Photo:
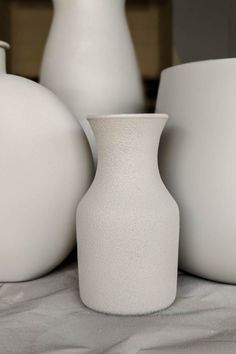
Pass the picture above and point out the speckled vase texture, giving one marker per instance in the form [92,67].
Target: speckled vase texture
[128,223]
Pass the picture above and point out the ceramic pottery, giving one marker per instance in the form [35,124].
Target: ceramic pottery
[89,60]
[45,168]
[198,163]
[127,223]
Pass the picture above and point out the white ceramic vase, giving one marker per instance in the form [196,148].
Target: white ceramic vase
[45,168]
[127,223]
[198,163]
[89,60]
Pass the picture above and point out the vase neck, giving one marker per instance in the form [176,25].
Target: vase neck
[3,47]
[127,146]
[88,5]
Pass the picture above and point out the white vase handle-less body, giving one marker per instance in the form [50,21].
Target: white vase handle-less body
[128,223]
[89,60]
[198,163]
[45,169]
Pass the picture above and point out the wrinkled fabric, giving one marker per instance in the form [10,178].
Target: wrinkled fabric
[46,316]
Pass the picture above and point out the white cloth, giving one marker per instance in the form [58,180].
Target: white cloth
[46,316]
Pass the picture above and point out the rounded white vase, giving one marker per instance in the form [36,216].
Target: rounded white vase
[45,168]
[198,163]
[127,223]
[89,60]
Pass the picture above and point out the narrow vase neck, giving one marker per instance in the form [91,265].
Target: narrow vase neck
[127,146]
[2,59]
[96,6]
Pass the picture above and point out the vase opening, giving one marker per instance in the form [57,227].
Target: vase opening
[4,45]
[129,116]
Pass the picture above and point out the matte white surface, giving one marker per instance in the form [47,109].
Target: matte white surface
[3,47]
[89,60]
[198,163]
[47,316]
[45,168]
[127,223]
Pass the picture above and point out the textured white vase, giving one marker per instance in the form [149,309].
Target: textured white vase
[127,223]
[198,163]
[45,168]
[89,60]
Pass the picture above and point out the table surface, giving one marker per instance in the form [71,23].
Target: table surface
[46,316]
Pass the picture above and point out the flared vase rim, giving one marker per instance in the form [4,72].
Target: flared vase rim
[137,116]
[4,45]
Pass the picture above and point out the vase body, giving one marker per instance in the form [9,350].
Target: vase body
[46,167]
[197,161]
[89,60]
[127,223]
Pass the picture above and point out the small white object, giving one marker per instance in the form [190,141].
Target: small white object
[3,47]
[127,223]
[45,168]
[89,60]
[198,163]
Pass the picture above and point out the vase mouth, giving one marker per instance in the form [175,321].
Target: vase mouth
[161,116]
[4,45]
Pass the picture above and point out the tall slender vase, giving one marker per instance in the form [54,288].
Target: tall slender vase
[128,223]
[89,60]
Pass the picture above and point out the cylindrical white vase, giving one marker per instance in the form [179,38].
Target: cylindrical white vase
[198,162]
[127,223]
[89,60]
[45,169]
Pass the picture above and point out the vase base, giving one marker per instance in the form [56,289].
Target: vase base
[128,312]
